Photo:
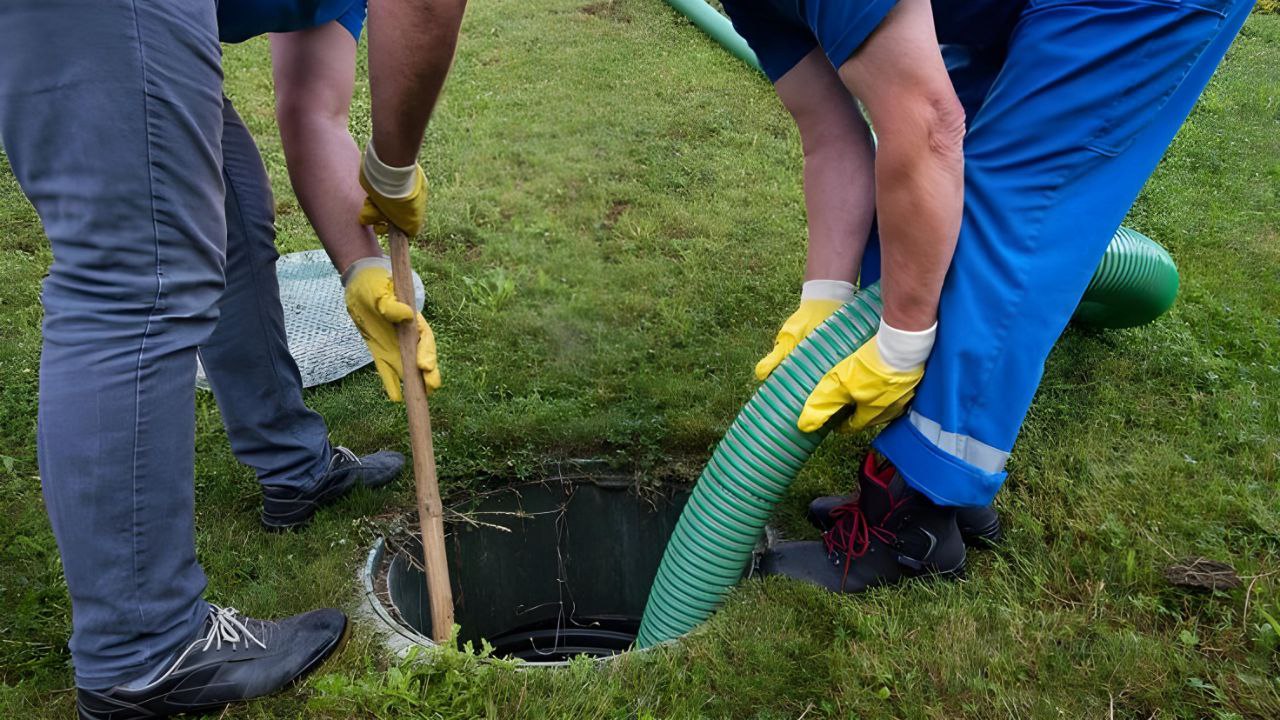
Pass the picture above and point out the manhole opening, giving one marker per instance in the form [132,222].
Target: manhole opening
[546,572]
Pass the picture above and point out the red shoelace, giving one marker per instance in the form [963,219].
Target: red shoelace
[852,533]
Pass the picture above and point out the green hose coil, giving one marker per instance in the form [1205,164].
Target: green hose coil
[763,451]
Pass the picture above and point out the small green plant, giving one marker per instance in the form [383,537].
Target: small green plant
[438,683]
[493,290]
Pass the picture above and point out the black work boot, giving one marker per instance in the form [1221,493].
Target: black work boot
[284,508]
[979,526]
[890,534]
[233,658]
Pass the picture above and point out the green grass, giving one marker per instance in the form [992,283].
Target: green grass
[616,228]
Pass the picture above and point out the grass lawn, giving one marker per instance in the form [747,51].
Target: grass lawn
[616,229]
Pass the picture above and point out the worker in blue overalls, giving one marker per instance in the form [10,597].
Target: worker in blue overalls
[1068,106]
[160,216]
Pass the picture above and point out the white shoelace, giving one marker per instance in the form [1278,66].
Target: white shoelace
[344,453]
[225,626]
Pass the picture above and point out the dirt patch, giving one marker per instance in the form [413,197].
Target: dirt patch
[606,10]
[615,211]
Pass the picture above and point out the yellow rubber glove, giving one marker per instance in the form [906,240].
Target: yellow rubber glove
[803,321]
[371,301]
[407,213]
[878,392]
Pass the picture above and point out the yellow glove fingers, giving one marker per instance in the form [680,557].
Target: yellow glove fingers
[782,347]
[390,376]
[867,415]
[391,309]
[370,215]
[427,361]
[803,321]
[826,400]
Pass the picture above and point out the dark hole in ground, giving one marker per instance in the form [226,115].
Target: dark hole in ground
[570,578]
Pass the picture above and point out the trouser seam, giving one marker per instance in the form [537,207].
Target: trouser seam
[146,333]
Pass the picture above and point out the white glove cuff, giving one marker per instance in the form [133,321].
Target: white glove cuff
[362,263]
[905,349]
[390,182]
[827,290]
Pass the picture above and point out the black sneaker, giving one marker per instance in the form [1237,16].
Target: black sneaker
[284,508]
[234,658]
[890,534]
[979,526]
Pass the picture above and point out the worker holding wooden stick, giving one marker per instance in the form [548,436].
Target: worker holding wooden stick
[150,191]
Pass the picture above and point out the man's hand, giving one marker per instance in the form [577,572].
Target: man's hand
[818,300]
[397,196]
[371,301]
[878,379]
[803,321]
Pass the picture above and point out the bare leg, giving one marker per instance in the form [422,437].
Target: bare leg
[839,179]
[900,77]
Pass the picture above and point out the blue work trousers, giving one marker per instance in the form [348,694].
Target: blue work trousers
[1071,104]
[114,122]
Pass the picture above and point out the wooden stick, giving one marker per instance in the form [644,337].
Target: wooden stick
[430,510]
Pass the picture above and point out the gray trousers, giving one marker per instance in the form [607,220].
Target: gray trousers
[160,217]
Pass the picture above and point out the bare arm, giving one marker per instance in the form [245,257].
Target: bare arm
[411,46]
[900,77]
[314,73]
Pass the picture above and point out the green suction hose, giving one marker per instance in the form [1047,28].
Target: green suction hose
[718,27]
[1134,284]
[763,451]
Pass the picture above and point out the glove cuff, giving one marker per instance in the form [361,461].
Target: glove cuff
[827,290]
[390,182]
[362,264]
[905,350]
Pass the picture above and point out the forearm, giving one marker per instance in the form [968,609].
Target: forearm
[411,46]
[314,73]
[323,162]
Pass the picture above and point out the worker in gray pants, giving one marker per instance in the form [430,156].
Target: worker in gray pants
[159,214]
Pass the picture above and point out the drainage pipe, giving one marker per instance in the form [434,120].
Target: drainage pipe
[763,451]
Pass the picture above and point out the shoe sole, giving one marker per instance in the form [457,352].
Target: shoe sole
[983,538]
[334,495]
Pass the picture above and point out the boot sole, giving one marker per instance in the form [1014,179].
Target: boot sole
[983,538]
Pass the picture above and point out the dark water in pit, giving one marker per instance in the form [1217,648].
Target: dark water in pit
[570,578]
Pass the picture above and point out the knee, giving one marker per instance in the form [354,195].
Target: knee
[926,124]
[945,121]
